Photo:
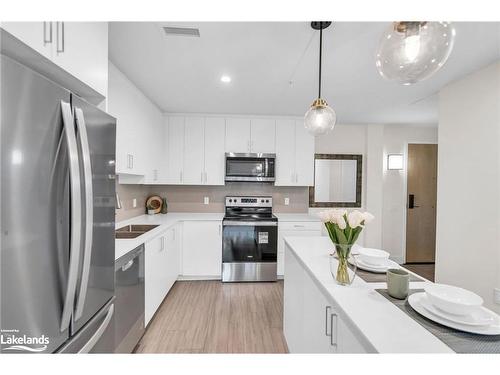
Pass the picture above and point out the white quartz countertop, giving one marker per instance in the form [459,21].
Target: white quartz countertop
[382,324]
[295,217]
[165,221]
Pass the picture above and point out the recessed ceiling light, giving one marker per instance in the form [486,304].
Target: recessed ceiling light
[225,79]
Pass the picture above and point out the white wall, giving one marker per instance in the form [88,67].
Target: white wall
[468,242]
[384,192]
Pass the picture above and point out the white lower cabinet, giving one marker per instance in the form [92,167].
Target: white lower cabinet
[311,322]
[291,229]
[162,260]
[202,249]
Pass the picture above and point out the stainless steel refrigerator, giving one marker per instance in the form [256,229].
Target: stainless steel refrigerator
[57,217]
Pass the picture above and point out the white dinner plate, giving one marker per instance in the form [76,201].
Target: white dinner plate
[493,329]
[375,269]
[480,317]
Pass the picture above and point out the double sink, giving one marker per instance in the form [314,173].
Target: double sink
[133,231]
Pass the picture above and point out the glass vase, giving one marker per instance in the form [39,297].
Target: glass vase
[343,264]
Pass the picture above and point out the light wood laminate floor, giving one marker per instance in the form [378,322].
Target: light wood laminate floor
[215,317]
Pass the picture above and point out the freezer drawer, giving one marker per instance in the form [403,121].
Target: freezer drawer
[97,336]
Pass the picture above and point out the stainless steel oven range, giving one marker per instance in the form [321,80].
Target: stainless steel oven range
[249,239]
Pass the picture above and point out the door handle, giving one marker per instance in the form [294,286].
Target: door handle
[76,214]
[45,40]
[127,265]
[411,201]
[60,36]
[89,210]
[99,332]
[333,343]
[327,309]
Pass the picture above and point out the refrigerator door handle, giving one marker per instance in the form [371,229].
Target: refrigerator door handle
[89,210]
[98,334]
[76,214]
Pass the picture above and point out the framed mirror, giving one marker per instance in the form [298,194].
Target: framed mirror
[337,181]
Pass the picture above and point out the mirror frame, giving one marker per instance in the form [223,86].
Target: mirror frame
[359,180]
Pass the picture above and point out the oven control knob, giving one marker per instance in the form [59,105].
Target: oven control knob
[230,200]
[267,200]
[262,201]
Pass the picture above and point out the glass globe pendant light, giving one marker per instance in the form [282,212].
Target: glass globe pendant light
[320,118]
[411,51]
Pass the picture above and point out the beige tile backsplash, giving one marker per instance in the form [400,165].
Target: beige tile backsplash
[190,198]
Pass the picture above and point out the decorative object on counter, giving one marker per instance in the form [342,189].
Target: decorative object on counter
[164,206]
[398,283]
[154,203]
[320,118]
[344,229]
[150,209]
[412,51]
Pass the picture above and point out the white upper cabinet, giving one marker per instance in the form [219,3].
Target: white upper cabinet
[139,129]
[245,136]
[304,156]
[215,129]
[194,151]
[294,154]
[238,135]
[38,35]
[80,48]
[262,136]
[175,147]
[285,152]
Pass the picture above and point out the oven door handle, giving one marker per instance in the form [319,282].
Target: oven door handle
[250,223]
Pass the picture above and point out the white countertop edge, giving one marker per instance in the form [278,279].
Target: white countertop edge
[164,222]
[360,302]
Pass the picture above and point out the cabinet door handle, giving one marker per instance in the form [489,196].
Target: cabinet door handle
[180,176]
[162,243]
[206,176]
[220,229]
[296,177]
[201,177]
[132,161]
[332,343]
[327,309]
[45,40]
[60,49]
[292,177]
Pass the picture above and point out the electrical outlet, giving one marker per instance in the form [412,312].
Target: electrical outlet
[287,201]
[496,295]
[206,200]
[134,203]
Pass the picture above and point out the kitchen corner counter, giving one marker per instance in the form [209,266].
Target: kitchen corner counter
[376,321]
[285,217]
[165,221]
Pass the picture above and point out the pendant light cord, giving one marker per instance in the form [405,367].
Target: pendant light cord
[320,52]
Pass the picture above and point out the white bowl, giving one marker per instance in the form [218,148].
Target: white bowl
[452,299]
[374,257]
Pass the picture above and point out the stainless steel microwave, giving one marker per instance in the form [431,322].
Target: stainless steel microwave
[250,167]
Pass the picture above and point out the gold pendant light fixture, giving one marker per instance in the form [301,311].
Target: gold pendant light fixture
[320,118]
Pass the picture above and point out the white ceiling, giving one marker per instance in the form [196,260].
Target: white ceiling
[274,68]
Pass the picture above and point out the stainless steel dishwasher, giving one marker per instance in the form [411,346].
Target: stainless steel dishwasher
[129,303]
